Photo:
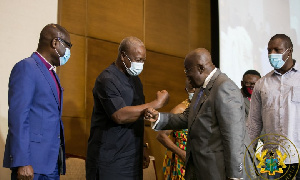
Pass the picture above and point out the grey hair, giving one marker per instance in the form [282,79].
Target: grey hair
[128,42]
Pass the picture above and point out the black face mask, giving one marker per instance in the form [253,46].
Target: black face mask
[244,89]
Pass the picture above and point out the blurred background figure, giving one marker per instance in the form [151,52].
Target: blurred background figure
[250,77]
[175,142]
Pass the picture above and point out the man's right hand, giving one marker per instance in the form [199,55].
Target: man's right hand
[25,173]
[162,97]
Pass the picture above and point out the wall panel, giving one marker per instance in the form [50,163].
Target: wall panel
[200,25]
[164,72]
[73,15]
[75,135]
[113,20]
[73,82]
[167,26]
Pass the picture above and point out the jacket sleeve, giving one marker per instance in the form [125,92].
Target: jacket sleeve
[169,121]
[20,94]
[230,112]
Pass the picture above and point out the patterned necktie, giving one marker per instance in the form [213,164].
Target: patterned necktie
[198,97]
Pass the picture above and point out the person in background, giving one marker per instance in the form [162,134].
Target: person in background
[116,147]
[173,164]
[250,77]
[275,104]
[35,146]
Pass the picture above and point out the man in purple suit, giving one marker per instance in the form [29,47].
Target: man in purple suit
[35,141]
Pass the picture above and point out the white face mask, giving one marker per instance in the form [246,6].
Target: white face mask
[191,96]
[135,68]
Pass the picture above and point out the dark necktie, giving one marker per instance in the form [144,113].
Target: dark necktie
[198,97]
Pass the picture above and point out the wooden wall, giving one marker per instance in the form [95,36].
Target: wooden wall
[169,29]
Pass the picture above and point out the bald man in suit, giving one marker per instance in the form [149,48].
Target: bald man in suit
[215,120]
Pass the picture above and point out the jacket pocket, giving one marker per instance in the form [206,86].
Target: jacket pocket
[36,137]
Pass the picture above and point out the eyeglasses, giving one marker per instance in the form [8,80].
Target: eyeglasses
[67,43]
[187,70]
[137,60]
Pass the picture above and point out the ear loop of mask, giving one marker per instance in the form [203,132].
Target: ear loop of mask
[288,55]
[57,51]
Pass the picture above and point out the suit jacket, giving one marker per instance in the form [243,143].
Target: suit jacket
[216,139]
[34,118]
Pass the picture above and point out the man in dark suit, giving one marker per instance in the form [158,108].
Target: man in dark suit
[35,141]
[215,120]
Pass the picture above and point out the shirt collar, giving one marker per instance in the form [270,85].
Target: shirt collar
[294,68]
[208,78]
[47,64]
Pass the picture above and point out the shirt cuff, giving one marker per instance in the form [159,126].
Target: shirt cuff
[153,124]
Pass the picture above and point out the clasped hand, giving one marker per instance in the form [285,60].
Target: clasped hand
[25,173]
[151,114]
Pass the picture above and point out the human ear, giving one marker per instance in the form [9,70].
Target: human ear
[54,43]
[201,68]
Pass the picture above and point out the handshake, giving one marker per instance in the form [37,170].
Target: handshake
[162,98]
[151,115]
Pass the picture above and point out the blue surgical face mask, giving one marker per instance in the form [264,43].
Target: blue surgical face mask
[64,59]
[276,60]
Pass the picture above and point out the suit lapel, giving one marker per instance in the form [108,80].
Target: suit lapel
[203,98]
[61,89]
[47,76]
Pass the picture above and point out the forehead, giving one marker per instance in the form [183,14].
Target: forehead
[137,49]
[276,43]
[192,61]
[251,77]
[64,36]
